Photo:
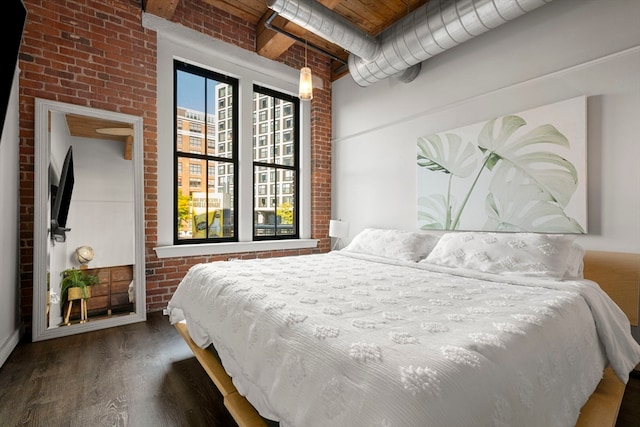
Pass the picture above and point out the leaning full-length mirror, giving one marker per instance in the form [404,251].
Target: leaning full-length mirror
[88,268]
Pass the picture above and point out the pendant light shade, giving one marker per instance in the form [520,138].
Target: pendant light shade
[306,86]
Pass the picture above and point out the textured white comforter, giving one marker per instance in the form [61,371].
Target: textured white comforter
[344,340]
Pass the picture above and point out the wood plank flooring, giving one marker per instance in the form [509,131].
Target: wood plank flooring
[140,375]
[136,375]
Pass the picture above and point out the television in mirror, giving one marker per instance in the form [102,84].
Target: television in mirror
[61,199]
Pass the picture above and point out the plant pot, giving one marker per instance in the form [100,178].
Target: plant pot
[79,293]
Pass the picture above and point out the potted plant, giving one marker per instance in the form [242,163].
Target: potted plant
[76,284]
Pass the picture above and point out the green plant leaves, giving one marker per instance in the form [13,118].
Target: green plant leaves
[552,173]
[435,211]
[72,278]
[530,185]
[453,157]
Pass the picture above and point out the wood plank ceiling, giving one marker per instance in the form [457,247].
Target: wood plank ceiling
[371,16]
[92,127]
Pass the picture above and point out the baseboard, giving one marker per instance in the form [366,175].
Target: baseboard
[7,347]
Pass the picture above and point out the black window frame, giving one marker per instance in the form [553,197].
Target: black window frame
[233,159]
[295,101]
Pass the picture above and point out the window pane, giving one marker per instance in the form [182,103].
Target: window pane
[274,213]
[207,212]
[205,200]
[221,118]
[275,154]
[262,136]
[286,200]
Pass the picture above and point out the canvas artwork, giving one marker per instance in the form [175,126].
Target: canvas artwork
[520,172]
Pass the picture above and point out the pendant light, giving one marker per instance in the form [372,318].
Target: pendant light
[306,86]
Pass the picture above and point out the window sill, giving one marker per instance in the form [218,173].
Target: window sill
[235,247]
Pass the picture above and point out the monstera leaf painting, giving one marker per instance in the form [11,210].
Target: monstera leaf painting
[512,173]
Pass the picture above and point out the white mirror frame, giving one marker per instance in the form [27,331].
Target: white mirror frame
[40,331]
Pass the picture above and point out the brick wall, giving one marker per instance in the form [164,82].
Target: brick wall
[96,53]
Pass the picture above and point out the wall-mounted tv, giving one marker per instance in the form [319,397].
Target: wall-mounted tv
[61,199]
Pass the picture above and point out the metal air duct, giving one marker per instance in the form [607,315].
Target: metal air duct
[327,24]
[398,51]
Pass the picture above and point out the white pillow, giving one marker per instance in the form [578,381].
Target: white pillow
[395,244]
[525,254]
[575,262]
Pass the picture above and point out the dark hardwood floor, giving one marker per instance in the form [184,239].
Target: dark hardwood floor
[629,415]
[136,375]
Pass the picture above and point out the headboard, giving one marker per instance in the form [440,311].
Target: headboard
[618,274]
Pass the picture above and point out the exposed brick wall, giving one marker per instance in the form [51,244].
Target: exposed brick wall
[96,53]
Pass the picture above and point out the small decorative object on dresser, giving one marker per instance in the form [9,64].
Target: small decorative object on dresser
[84,255]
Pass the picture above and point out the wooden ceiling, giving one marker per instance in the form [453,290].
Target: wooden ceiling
[371,16]
[92,127]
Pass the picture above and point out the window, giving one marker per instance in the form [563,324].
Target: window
[227,60]
[275,205]
[205,213]
[207,193]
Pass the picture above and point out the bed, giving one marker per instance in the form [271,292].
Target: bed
[413,329]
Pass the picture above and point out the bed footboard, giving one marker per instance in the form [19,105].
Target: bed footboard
[240,409]
[601,410]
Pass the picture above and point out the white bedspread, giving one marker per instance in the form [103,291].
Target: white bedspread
[337,340]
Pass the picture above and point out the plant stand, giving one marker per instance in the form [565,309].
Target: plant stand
[78,294]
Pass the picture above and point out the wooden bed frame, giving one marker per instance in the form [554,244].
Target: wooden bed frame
[618,273]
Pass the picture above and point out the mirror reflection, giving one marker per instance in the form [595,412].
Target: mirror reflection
[91,227]
[91,185]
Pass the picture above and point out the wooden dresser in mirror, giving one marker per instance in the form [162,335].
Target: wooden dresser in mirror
[113,294]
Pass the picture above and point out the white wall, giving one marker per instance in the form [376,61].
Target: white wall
[565,49]
[10,326]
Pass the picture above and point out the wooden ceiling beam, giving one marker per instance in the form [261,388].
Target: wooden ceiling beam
[270,43]
[244,10]
[162,8]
